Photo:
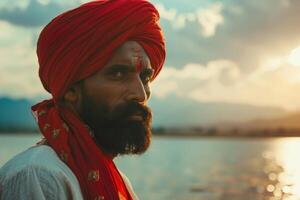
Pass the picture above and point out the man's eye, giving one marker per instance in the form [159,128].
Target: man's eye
[118,75]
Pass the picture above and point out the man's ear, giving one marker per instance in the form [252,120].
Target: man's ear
[73,96]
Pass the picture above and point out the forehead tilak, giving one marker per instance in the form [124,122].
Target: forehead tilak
[138,59]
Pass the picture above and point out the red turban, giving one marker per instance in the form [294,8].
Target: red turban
[79,42]
[73,46]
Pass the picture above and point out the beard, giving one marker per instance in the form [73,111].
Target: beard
[114,132]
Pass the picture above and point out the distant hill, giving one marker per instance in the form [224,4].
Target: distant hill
[15,114]
[184,112]
[289,121]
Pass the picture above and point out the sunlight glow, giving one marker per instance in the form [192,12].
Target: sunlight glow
[294,57]
[288,157]
[273,64]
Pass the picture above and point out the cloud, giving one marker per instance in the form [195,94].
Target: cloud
[10,5]
[33,13]
[183,81]
[19,76]
[208,18]
[222,81]
[44,2]
[285,3]
[243,36]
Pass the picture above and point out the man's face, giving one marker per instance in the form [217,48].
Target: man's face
[114,101]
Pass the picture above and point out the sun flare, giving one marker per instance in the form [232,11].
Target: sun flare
[294,57]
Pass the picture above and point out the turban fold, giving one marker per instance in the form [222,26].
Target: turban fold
[73,46]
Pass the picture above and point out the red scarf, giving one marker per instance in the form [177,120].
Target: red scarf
[73,46]
[70,138]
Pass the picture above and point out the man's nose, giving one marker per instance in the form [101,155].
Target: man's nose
[137,91]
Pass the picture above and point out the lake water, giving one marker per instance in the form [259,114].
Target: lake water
[203,168]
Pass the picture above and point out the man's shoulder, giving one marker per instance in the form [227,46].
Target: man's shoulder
[37,156]
[39,173]
[42,159]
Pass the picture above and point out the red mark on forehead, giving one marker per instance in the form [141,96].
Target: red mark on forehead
[137,58]
[137,49]
[137,62]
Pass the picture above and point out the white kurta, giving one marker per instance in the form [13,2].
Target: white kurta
[38,174]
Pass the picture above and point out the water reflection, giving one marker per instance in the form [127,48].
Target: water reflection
[287,156]
[205,168]
[271,174]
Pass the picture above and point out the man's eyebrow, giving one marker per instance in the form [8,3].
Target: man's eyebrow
[123,67]
[130,68]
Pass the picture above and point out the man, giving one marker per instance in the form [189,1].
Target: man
[97,61]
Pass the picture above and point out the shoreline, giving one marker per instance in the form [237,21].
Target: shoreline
[183,136]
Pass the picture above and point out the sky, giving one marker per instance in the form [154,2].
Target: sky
[232,51]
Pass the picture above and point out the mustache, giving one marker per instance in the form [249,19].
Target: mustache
[131,108]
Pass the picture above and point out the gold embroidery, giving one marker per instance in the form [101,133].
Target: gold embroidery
[46,126]
[66,127]
[42,112]
[94,175]
[55,133]
[63,156]
[99,198]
